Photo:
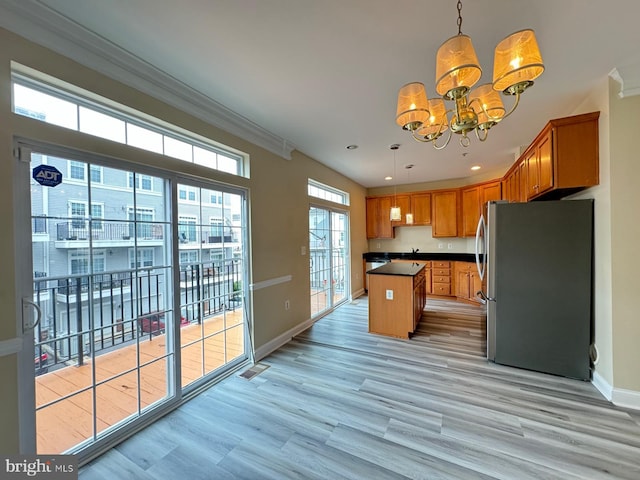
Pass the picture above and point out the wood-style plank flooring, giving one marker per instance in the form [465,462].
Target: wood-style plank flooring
[62,425]
[337,402]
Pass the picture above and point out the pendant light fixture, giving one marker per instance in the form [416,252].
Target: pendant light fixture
[395,214]
[517,62]
[408,216]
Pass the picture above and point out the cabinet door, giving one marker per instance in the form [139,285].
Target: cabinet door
[545,163]
[475,285]
[488,193]
[384,228]
[404,202]
[522,183]
[372,217]
[445,213]
[491,191]
[378,217]
[421,208]
[427,280]
[470,211]
[531,163]
[462,284]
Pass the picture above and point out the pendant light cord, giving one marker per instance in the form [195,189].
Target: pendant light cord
[459,17]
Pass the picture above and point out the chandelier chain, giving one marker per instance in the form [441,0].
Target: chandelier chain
[459,17]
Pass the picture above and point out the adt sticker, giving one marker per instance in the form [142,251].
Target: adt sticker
[47,176]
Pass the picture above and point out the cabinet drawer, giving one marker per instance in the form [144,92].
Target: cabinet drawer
[441,271]
[442,289]
[441,279]
[441,264]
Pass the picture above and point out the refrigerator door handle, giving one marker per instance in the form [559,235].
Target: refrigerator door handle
[484,298]
[480,239]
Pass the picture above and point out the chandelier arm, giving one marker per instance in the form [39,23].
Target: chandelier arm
[489,116]
[513,108]
[418,138]
[482,138]
[435,145]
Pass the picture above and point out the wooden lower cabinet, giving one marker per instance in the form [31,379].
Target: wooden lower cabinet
[397,316]
[441,278]
[427,271]
[467,281]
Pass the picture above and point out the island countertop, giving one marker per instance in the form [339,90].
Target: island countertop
[398,268]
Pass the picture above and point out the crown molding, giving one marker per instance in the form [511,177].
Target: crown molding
[629,79]
[40,24]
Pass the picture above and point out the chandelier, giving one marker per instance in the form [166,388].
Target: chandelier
[517,62]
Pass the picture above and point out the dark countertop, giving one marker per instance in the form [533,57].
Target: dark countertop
[398,268]
[387,256]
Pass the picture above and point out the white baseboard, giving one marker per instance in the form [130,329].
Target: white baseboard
[602,385]
[626,398]
[357,293]
[281,340]
[618,396]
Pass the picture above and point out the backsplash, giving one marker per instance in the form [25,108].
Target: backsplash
[409,238]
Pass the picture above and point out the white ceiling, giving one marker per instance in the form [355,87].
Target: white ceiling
[323,74]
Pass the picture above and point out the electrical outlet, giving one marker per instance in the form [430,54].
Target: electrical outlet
[303,250]
[389,295]
[440,246]
[450,246]
[286,304]
[378,245]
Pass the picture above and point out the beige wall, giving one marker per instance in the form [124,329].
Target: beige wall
[625,235]
[278,204]
[598,100]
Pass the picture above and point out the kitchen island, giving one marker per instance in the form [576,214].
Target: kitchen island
[397,298]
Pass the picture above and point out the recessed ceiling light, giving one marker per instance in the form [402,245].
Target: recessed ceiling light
[388,178]
[351,147]
[476,167]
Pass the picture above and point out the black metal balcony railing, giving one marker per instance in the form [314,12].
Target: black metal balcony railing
[99,230]
[106,311]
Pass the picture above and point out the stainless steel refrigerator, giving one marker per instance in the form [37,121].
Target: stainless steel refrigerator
[538,258]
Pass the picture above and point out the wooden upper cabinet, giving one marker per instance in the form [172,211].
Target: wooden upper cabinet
[489,192]
[521,187]
[404,202]
[378,217]
[444,219]
[474,201]
[564,157]
[470,211]
[539,164]
[421,208]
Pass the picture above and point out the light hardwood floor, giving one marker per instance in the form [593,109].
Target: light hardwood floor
[338,402]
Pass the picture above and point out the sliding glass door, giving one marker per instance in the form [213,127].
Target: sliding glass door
[139,279]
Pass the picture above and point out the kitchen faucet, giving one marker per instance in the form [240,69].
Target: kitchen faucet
[415,250]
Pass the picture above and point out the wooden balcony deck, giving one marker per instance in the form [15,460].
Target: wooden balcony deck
[69,422]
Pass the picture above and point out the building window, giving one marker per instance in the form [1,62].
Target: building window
[79,262]
[325,192]
[187,193]
[71,107]
[95,172]
[78,213]
[189,256]
[142,182]
[77,170]
[187,228]
[138,225]
[97,214]
[144,258]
